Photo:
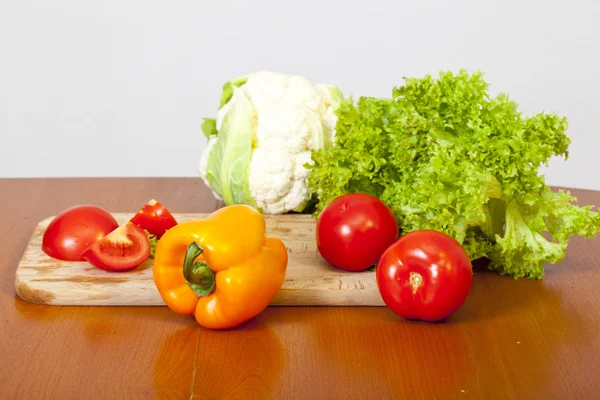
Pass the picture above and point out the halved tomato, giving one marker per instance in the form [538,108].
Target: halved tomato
[75,229]
[121,250]
[154,218]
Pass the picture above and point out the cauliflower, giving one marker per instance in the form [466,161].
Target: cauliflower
[267,126]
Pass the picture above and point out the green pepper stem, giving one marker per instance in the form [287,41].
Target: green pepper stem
[198,275]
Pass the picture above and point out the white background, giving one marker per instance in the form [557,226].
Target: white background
[119,88]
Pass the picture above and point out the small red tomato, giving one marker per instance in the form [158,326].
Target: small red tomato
[154,218]
[75,229]
[424,275]
[354,230]
[121,250]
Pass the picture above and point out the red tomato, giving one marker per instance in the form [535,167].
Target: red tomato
[75,229]
[154,218]
[123,249]
[424,275]
[354,230]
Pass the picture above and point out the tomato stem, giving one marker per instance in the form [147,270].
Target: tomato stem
[198,275]
[416,280]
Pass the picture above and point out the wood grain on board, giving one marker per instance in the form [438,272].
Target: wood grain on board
[309,280]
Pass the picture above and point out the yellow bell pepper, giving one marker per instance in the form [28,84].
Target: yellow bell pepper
[221,269]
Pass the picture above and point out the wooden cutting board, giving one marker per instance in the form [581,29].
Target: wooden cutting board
[310,280]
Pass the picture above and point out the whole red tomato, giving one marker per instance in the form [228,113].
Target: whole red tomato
[424,275]
[75,229]
[354,230]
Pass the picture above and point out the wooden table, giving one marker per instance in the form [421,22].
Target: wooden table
[511,340]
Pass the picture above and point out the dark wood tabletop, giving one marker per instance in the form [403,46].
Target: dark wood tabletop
[513,339]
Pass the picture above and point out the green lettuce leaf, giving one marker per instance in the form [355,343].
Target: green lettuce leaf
[153,243]
[443,154]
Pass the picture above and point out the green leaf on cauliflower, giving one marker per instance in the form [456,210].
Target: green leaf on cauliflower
[228,162]
[228,88]
[209,127]
[443,154]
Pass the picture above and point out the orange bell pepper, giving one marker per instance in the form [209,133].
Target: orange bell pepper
[221,269]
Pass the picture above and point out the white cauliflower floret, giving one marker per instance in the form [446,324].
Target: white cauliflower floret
[288,118]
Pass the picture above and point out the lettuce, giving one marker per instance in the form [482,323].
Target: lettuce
[443,154]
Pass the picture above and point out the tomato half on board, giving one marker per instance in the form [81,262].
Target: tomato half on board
[425,275]
[154,218]
[123,249]
[75,229]
[354,230]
